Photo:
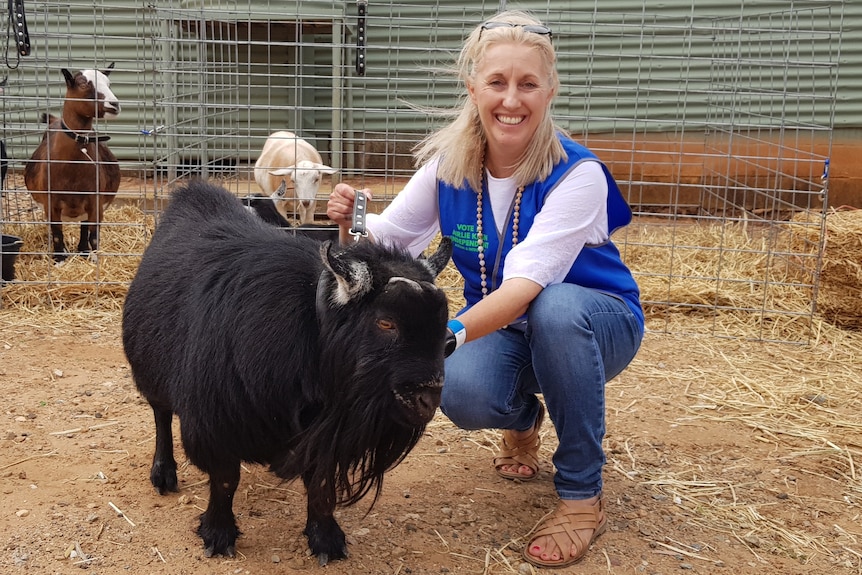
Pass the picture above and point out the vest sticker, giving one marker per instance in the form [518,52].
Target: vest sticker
[464,236]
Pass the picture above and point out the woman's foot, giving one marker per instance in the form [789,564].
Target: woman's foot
[516,470]
[566,535]
[518,457]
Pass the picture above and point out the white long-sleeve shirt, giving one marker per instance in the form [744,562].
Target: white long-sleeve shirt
[574,215]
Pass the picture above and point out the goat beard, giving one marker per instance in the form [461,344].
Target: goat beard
[347,451]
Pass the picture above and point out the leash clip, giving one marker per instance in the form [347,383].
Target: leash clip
[357,226]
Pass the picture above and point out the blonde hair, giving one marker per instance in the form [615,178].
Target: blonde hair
[460,145]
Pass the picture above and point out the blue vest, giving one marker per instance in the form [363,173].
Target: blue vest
[597,266]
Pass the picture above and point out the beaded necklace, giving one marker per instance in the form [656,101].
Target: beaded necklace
[480,243]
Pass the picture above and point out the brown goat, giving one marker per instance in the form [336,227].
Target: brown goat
[72,173]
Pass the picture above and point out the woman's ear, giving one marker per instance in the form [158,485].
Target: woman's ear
[552,93]
[471,89]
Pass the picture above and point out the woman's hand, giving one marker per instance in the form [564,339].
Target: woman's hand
[339,208]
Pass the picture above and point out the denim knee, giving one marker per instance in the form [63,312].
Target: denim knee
[555,309]
[483,383]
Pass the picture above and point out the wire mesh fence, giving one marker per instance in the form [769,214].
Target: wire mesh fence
[715,118]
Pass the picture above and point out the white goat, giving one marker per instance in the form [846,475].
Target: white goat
[286,154]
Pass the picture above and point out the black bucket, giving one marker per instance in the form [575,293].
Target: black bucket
[8,253]
[319,232]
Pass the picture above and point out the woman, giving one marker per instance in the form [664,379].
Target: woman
[551,309]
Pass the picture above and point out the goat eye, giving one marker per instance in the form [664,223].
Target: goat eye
[385,324]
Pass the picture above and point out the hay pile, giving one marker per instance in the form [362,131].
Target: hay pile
[839,297]
[740,277]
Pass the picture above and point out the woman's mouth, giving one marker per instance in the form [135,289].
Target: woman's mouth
[510,120]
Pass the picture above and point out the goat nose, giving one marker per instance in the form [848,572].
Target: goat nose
[428,400]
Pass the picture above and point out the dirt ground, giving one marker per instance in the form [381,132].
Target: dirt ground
[723,457]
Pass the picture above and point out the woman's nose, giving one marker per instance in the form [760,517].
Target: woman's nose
[511,99]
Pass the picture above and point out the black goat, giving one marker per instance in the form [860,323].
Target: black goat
[265,208]
[324,363]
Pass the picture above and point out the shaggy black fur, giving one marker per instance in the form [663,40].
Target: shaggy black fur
[282,350]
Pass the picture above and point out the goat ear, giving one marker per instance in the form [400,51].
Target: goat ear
[107,71]
[325,169]
[352,277]
[70,79]
[282,171]
[440,258]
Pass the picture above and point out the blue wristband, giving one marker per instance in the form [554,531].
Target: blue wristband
[459,330]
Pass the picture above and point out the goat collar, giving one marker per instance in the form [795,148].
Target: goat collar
[80,138]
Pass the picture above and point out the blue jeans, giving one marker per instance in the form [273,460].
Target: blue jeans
[575,340]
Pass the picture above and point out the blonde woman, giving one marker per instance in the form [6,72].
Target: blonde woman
[551,308]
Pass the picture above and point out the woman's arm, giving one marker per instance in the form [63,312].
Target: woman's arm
[410,221]
[500,308]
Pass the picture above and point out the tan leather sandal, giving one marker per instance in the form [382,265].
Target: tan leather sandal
[564,525]
[520,452]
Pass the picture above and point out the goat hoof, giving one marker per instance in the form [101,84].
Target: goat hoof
[219,540]
[210,552]
[163,476]
[326,540]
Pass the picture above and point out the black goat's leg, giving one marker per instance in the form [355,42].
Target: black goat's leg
[218,527]
[325,537]
[163,474]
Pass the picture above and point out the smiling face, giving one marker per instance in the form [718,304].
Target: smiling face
[512,90]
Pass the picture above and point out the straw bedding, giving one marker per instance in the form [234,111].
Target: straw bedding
[742,279]
[79,284]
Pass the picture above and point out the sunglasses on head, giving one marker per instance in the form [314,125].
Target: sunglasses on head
[534,28]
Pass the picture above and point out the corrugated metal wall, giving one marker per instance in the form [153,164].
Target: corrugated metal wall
[848,111]
[203,82]
[625,65]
